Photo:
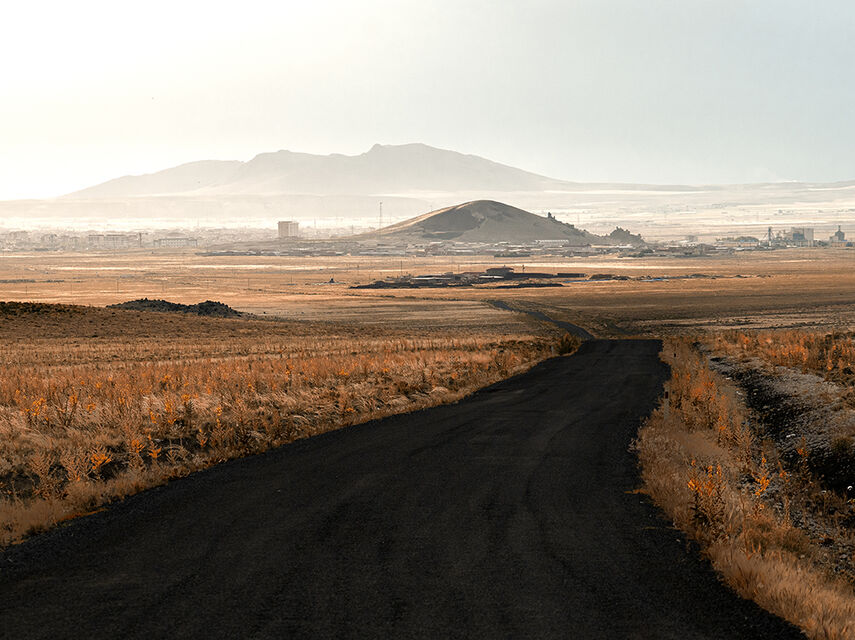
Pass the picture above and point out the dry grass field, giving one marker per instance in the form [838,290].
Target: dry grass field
[98,403]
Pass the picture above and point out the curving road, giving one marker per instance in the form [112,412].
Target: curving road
[509,514]
[572,329]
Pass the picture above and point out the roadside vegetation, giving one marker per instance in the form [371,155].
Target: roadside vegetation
[97,405]
[830,354]
[810,377]
[756,512]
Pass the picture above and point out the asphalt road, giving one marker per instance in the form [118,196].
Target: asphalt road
[509,514]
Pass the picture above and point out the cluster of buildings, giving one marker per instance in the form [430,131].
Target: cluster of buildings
[92,241]
[492,275]
[691,246]
[794,237]
[497,249]
[291,240]
[507,278]
[346,246]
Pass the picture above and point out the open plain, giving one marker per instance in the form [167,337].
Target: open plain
[101,403]
[782,288]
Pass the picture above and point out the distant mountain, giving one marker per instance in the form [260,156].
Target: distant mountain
[491,221]
[384,169]
[185,178]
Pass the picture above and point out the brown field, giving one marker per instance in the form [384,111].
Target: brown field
[788,288]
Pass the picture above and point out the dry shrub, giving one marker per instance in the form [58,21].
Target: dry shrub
[47,482]
[94,422]
[568,343]
[701,464]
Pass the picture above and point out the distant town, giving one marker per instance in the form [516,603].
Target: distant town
[289,238]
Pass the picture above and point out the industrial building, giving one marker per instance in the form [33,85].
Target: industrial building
[800,236]
[289,229]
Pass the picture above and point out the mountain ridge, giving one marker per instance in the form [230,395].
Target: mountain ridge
[383,169]
[409,170]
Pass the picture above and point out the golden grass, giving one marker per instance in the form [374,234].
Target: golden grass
[703,466]
[831,355]
[87,420]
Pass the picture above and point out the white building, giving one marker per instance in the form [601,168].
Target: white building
[174,242]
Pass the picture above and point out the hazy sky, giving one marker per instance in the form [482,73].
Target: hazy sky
[617,90]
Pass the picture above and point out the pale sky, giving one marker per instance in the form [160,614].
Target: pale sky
[679,91]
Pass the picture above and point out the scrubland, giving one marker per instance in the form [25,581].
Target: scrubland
[96,404]
[766,520]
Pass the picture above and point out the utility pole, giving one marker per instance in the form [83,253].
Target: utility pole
[380,222]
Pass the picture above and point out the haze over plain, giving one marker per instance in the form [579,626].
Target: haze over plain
[654,92]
